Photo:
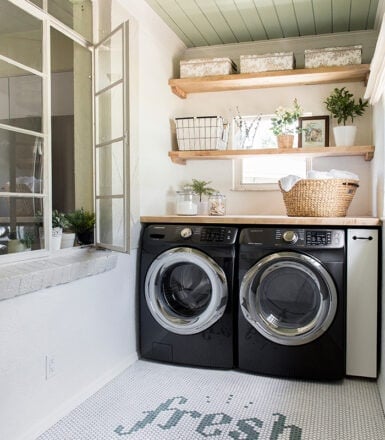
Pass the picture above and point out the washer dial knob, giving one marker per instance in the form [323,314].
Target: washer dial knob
[290,237]
[186,233]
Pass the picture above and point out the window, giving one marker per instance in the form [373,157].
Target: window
[261,172]
[47,124]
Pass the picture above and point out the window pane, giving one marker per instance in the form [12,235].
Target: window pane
[110,217]
[109,162]
[21,162]
[37,3]
[265,169]
[71,124]
[109,61]
[109,127]
[20,36]
[19,224]
[20,98]
[75,14]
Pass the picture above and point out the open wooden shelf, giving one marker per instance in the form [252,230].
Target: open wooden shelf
[180,157]
[280,78]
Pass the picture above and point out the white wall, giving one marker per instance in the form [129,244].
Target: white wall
[89,326]
[265,101]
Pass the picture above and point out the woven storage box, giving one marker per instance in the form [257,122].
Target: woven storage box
[202,133]
[319,197]
[266,62]
[206,67]
[333,56]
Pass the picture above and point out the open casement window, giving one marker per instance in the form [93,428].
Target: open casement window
[111,140]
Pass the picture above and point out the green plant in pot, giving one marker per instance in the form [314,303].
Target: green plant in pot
[202,188]
[284,124]
[344,108]
[82,222]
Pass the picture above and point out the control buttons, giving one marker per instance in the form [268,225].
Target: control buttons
[290,236]
[186,233]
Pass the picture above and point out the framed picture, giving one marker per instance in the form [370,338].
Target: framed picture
[314,131]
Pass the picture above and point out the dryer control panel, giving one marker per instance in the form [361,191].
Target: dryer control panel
[294,237]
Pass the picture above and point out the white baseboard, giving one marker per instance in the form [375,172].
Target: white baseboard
[67,406]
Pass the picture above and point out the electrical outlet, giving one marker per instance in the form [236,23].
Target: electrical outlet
[50,367]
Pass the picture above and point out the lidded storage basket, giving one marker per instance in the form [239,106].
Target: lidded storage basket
[202,133]
[319,197]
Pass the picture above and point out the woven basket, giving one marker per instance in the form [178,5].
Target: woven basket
[319,197]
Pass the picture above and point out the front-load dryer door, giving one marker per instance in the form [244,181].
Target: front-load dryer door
[289,298]
[186,290]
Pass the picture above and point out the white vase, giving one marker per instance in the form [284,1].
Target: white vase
[344,135]
[56,238]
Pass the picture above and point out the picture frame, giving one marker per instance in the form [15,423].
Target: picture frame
[313,131]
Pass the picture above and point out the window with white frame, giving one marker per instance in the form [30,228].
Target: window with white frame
[47,123]
[261,172]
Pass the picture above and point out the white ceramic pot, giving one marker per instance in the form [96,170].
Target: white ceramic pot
[344,135]
[203,208]
[67,240]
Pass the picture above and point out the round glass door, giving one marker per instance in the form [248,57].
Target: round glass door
[290,298]
[186,290]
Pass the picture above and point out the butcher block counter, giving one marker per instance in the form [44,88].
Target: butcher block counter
[263,220]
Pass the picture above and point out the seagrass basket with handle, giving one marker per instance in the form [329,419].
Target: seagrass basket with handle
[319,197]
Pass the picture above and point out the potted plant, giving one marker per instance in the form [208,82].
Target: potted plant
[201,188]
[82,222]
[284,124]
[59,222]
[17,244]
[342,106]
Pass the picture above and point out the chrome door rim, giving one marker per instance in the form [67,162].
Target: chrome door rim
[162,313]
[303,335]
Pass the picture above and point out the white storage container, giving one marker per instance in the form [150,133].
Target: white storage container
[333,56]
[206,67]
[266,62]
[202,133]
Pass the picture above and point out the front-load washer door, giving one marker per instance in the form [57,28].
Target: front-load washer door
[289,298]
[186,290]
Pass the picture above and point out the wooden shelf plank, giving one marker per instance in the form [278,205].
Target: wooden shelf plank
[281,78]
[180,157]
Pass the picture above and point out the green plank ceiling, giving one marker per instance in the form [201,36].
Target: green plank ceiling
[210,22]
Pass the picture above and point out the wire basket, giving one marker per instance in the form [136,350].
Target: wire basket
[202,133]
[319,197]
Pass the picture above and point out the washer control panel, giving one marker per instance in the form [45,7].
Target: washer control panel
[194,234]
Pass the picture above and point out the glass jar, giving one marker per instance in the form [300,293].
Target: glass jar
[217,204]
[186,202]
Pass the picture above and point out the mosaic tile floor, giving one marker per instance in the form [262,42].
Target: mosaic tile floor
[164,402]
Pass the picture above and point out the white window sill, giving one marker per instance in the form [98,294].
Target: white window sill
[60,268]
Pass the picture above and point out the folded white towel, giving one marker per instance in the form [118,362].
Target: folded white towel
[332,174]
[288,182]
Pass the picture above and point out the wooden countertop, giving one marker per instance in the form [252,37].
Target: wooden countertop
[263,220]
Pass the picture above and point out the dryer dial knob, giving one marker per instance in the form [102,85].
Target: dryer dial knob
[290,237]
[186,233]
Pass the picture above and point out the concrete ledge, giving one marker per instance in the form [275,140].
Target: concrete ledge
[60,268]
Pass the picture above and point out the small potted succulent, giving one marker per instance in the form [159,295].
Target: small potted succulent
[343,107]
[284,124]
[82,222]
